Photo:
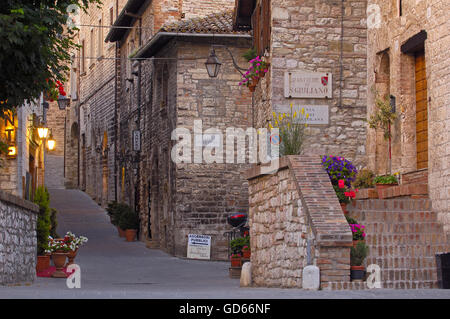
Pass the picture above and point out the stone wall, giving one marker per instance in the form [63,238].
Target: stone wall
[306,36]
[295,220]
[384,51]
[17,239]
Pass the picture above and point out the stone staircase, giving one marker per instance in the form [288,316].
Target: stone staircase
[403,235]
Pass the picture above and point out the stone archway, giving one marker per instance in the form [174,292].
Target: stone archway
[72,157]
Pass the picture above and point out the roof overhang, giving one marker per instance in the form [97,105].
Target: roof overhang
[242,19]
[125,19]
[162,38]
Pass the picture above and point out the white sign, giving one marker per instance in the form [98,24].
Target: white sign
[307,85]
[317,114]
[136,140]
[199,246]
[208,140]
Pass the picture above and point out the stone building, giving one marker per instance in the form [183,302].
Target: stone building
[165,86]
[22,170]
[408,62]
[323,40]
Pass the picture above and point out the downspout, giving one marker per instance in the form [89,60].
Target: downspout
[115,112]
[138,153]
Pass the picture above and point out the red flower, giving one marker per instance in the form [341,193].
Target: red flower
[341,183]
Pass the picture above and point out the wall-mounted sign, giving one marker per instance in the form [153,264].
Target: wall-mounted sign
[317,114]
[136,140]
[308,85]
[199,246]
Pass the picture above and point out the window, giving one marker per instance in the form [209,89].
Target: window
[261,21]
[111,16]
[83,58]
[91,49]
[165,86]
[100,39]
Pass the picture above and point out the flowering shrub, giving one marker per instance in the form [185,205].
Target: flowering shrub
[245,248]
[291,128]
[70,242]
[342,173]
[338,168]
[236,255]
[55,90]
[358,231]
[257,69]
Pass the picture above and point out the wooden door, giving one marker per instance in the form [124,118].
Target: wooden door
[421,111]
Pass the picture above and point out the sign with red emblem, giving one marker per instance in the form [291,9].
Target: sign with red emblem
[304,84]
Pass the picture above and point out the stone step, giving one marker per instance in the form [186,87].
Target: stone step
[397,284]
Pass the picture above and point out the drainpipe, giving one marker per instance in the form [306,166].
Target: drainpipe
[115,112]
[138,153]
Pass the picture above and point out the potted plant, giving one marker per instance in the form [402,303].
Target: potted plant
[42,198]
[357,256]
[358,233]
[129,221]
[383,182]
[257,70]
[342,174]
[115,211]
[74,243]
[235,260]
[246,252]
[59,249]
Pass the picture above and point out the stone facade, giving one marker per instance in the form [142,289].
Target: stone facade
[295,220]
[18,239]
[306,36]
[391,71]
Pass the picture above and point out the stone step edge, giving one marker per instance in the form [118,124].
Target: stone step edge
[397,284]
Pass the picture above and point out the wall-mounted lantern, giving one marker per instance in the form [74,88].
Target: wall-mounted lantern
[42,131]
[213,64]
[63,102]
[51,142]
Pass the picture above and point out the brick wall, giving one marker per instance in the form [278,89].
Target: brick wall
[295,219]
[306,35]
[431,16]
[403,236]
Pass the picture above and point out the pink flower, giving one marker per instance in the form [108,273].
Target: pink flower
[265,70]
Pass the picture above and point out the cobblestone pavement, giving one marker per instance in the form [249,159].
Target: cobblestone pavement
[113,268]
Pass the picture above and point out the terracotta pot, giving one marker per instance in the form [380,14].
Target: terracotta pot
[380,187]
[246,254]
[130,234]
[71,255]
[357,273]
[252,87]
[121,232]
[236,262]
[59,259]
[355,242]
[43,263]
[344,208]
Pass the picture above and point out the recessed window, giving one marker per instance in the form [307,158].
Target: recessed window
[100,39]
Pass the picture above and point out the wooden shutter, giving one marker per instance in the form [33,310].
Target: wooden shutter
[261,24]
[266,27]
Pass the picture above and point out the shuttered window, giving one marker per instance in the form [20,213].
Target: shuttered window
[261,25]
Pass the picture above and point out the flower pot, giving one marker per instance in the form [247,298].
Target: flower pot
[236,262]
[380,187]
[121,232]
[130,234]
[43,263]
[357,273]
[344,208]
[71,255]
[355,242]
[246,254]
[252,87]
[59,259]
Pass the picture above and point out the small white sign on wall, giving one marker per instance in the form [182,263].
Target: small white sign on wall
[317,114]
[302,84]
[199,246]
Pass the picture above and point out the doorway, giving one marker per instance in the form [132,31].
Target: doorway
[421,111]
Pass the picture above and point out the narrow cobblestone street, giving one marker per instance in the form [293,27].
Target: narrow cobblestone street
[113,268]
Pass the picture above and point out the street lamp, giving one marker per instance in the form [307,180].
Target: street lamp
[63,102]
[213,64]
[51,142]
[42,131]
